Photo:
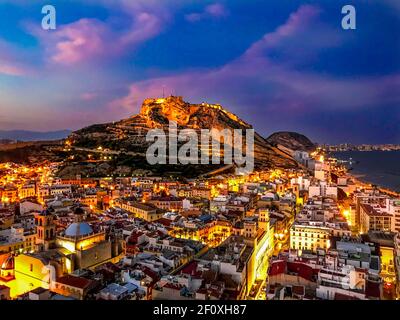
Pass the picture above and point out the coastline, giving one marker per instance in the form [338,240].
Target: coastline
[373,169]
[369,184]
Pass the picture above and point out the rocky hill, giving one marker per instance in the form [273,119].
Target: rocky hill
[125,140]
[290,141]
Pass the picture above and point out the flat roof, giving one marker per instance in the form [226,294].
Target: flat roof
[374,211]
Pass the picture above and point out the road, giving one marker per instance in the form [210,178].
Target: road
[107,151]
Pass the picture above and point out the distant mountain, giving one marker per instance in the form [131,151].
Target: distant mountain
[24,135]
[290,141]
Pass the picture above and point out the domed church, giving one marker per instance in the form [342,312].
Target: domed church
[78,247]
[87,247]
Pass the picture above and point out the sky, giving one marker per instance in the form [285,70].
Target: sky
[280,65]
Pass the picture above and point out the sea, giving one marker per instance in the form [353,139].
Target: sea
[381,168]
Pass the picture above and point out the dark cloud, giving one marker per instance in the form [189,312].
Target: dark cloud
[256,84]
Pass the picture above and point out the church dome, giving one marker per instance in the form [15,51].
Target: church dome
[8,263]
[78,229]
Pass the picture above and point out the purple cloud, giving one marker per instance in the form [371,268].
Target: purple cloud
[128,103]
[298,22]
[255,81]
[215,10]
[79,41]
[90,39]
[10,69]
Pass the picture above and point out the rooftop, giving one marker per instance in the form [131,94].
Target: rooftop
[77,282]
[375,210]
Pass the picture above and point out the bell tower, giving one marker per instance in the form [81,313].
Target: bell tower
[45,230]
[263,219]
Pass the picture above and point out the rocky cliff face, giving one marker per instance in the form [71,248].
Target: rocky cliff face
[291,140]
[128,135]
[157,112]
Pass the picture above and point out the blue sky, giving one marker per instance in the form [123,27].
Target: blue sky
[280,64]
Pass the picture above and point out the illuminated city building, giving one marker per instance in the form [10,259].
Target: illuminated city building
[233,258]
[374,218]
[370,197]
[148,212]
[393,208]
[42,192]
[59,189]
[259,236]
[262,239]
[26,191]
[385,243]
[203,193]
[77,247]
[88,248]
[397,263]
[9,194]
[388,272]
[29,205]
[306,236]
[73,286]
[212,233]
[89,199]
[17,240]
[166,203]
[219,203]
